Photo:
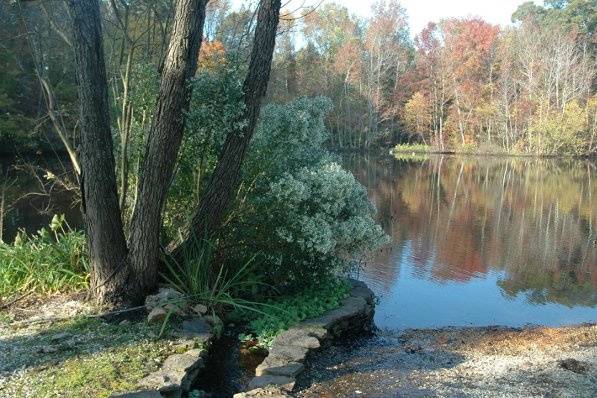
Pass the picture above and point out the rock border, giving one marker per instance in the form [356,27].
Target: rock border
[178,371]
[194,339]
[276,375]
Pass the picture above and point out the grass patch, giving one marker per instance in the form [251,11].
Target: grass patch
[80,358]
[416,148]
[52,260]
[280,313]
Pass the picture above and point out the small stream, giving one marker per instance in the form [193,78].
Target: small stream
[230,367]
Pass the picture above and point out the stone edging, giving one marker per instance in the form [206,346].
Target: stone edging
[276,375]
[178,371]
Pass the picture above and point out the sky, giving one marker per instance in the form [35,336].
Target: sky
[420,12]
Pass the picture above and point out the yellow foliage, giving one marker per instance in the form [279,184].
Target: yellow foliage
[561,132]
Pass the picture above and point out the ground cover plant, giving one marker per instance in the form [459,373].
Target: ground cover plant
[49,261]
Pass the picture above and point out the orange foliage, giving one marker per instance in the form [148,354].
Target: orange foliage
[212,55]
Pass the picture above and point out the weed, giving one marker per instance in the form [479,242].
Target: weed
[52,260]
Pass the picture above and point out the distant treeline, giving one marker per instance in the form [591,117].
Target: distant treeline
[461,83]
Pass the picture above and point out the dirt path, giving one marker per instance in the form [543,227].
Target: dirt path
[459,362]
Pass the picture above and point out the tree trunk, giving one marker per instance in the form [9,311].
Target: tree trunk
[164,141]
[226,177]
[105,237]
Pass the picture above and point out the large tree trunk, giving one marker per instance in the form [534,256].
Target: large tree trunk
[164,141]
[226,177]
[105,237]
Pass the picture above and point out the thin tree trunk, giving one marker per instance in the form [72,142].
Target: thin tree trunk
[105,237]
[165,137]
[226,177]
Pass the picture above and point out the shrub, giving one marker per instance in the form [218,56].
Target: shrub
[302,214]
[52,260]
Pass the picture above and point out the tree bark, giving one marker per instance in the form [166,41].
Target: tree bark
[105,238]
[226,177]
[164,141]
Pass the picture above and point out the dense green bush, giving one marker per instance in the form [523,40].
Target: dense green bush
[298,215]
[52,260]
[299,211]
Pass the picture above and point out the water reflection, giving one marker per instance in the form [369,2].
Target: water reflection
[28,199]
[483,240]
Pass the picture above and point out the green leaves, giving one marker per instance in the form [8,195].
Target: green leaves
[282,312]
[52,260]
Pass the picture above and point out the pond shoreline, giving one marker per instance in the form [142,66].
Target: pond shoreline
[493,154]
[460,361]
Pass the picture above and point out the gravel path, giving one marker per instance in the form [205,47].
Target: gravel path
[459,362]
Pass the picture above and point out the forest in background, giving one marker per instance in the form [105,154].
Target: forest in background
[460,84]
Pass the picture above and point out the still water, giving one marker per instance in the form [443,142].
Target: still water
[475,240]
[31,193]
[482,241]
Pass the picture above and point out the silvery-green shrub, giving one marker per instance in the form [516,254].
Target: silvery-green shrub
[299,209]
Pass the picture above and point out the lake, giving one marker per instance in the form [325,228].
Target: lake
[480,241]
[476,241]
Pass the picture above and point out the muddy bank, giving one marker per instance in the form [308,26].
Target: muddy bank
[458,362]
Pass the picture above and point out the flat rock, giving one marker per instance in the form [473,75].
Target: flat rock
[360,289]
[177,372]
[163,297]
[296,337]
[350,307]
[267,392]
[139,394]
[195,326]
[286,383]
[291,369]
[280,355]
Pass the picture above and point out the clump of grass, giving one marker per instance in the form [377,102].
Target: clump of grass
[201,279]
[52,260]
[282,312]
[416,148]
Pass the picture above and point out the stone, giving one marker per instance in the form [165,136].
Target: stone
[360,289]
[196,327]
[176,374]
[267,392]
[350,307]
[286,383]
[139,394]
[573,365]
[314,331]
[284,354]
[164,297]
[156,315]
[290,348]
[296,337]
[199,309]
[291,369]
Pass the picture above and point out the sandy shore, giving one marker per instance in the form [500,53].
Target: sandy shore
[459,362]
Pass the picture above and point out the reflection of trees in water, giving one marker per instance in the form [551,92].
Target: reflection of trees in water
[533,219]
